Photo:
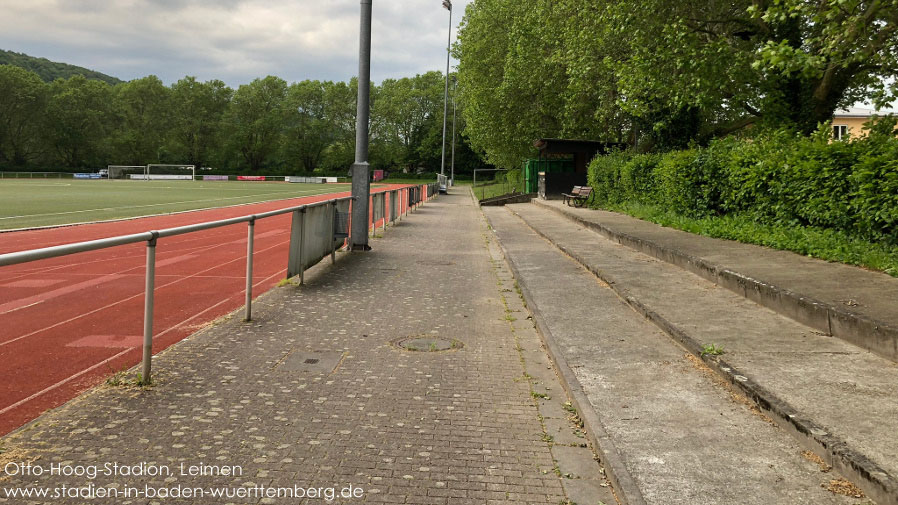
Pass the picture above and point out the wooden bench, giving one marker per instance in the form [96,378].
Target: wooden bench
[578,196]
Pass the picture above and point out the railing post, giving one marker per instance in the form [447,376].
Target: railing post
[148,296]
[250,235]
[302,240]
[383,205]
[394,206]
[295,237]
[373,220]
[349,229]
[333,207]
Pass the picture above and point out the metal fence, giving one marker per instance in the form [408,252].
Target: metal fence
[198,177]
[36,175]
[318,230]
[498,185]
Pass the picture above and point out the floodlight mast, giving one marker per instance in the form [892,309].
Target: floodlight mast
[454,113]
[447,4]
[361,180]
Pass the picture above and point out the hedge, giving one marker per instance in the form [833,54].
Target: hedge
[777,178]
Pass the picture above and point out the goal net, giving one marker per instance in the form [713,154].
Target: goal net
[125,171]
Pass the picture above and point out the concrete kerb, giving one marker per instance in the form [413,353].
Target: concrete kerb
[875,336]
[624,485]
[871,478]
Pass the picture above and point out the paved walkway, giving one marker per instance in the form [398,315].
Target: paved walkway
[313,395]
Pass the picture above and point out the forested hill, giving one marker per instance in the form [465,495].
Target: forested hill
[51,70]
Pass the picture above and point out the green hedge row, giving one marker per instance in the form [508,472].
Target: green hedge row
[776,178]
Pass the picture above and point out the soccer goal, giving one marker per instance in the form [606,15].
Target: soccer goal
[126,171]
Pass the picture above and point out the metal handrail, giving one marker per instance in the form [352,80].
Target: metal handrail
[151,238]
[104,243]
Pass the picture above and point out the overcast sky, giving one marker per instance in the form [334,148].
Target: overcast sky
[232,40]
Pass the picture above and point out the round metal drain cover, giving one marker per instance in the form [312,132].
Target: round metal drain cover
[425,343]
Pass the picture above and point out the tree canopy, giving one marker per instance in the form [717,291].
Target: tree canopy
[49,71]
[664,74]
[266,125]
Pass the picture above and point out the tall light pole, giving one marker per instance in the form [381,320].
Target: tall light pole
[361,181]
[448,5]
[454,112]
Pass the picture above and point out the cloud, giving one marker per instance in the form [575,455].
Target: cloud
[232,40]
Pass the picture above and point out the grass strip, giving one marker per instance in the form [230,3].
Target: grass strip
[825,244]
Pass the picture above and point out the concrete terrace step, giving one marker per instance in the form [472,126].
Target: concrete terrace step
[666,432]
[847,302]
[837,399]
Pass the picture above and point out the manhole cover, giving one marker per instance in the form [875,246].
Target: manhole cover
[427,344]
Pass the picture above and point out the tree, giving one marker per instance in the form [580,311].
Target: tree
[663,74]
[313,123]
[404,111]
[197,109]
[144,120]
[23,98]
[77,122]
[341,99]
[782,63]
[49,71]
[255,119]
[511,80]
[832,54]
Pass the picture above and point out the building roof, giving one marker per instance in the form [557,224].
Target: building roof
[861,112]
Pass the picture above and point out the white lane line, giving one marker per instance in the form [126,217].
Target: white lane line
[60,383]
[134,218]
[138,295]
[29,301]
[107,360]
[158,204]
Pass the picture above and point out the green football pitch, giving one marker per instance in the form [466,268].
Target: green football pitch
[29,203]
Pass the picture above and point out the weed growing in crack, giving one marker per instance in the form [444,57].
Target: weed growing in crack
[712,350]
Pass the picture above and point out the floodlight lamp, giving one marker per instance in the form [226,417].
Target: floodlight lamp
[447,4]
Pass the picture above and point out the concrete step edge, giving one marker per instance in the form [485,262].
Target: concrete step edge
[870,477]
[623,484]
[858,329]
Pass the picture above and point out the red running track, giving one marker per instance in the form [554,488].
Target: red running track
[67,323]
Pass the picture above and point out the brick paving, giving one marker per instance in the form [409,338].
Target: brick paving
[459,426]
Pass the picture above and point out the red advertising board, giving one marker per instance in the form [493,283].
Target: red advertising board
[250,177]
[377,175]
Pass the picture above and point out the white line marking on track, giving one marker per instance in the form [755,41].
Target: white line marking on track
[107,360]
[161,204]
[60,383]
[22,307]
[138,295]
[90,283]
